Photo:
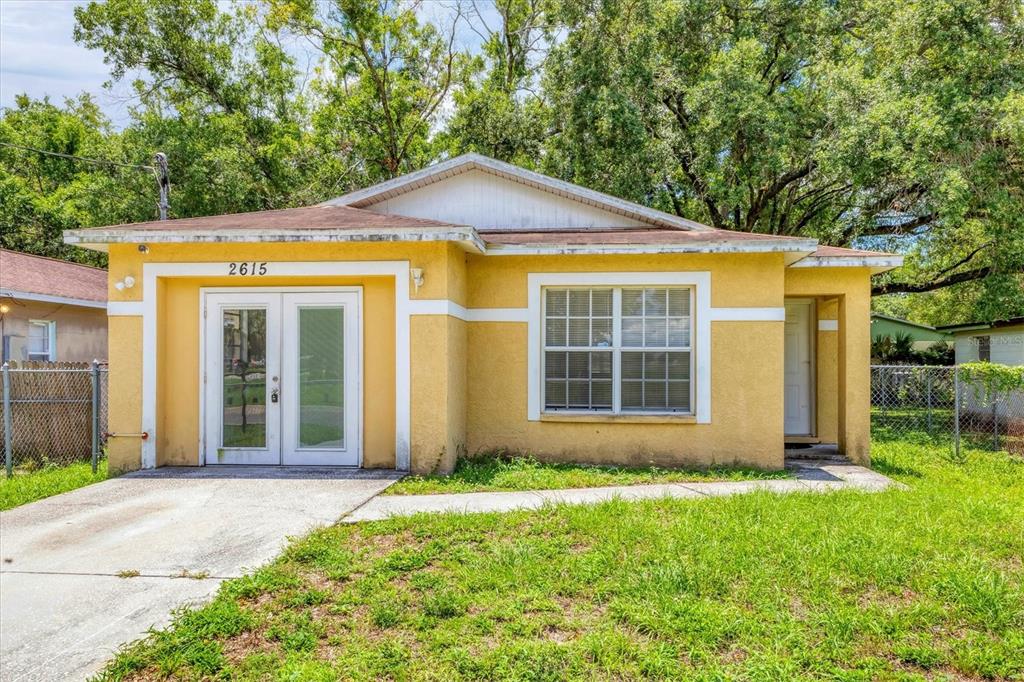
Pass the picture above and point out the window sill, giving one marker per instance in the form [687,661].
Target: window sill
[618,418]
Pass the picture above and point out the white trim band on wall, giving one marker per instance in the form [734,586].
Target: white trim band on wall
[828,325]
[700,281]
[125,308]
[398,269]
[442,306]
[748,314]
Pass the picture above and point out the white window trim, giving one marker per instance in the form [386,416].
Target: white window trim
[700,341]
[616,349]
[51,339]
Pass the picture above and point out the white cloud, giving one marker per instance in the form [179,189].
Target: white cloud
[38,57]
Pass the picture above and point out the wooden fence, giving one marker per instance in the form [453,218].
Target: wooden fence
[52,411]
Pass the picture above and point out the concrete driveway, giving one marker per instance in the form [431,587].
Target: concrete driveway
[63,608]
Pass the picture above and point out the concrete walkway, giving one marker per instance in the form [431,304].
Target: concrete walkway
[809,476]
[63,609]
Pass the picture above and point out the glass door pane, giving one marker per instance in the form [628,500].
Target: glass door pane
[244,379]
[321,377]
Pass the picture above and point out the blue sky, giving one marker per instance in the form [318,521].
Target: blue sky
[38,56]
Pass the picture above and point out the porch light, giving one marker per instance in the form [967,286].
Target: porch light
[417,277]
[127,283]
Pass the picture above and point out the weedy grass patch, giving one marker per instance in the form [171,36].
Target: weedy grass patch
[500,471]
[918,584]
[29,485]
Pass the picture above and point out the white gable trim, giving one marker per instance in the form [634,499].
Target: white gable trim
[461,164]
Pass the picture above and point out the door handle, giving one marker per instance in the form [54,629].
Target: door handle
[274,395]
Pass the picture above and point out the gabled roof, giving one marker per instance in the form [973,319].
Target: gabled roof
[468,162]
[30,277]
[346,219]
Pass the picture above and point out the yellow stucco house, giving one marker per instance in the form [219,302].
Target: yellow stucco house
[475,305]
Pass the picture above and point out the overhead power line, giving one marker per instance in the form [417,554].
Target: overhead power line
[77,158]
[160,169]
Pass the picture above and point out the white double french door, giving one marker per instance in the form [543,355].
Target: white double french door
[281,377]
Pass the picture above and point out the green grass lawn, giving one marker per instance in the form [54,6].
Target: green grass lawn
[31,485]
[918,584]
[498,471]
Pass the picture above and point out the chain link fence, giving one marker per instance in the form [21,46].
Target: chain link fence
[52,414]
[944,405]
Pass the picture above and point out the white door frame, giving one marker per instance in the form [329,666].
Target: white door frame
[352,300]
[211,380]
[812,374]
[208,365]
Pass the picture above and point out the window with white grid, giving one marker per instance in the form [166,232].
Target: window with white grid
[41,340]
[617,349]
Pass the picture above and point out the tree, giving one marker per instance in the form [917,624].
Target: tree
[499,109]
[43,194]
[862,123]
[387,76]
[217,92]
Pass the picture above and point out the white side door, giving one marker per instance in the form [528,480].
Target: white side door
[320,393]
[241,376]
[799,353]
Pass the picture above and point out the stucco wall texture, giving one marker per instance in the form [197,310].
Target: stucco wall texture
[468,380]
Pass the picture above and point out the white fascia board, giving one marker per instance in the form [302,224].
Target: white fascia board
[799,248]
[87,237]
[47,298]
[877,264]
[472,161]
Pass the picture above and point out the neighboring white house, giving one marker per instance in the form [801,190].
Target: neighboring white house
[1000,342]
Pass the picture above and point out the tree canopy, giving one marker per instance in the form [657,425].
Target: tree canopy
[874,123]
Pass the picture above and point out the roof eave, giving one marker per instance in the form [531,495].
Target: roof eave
[794,250]
[98,239]
[50,298]
[877,264]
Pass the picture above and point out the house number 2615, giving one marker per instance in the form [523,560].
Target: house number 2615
[247,268]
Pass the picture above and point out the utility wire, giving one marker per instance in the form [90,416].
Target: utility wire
[77,158]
